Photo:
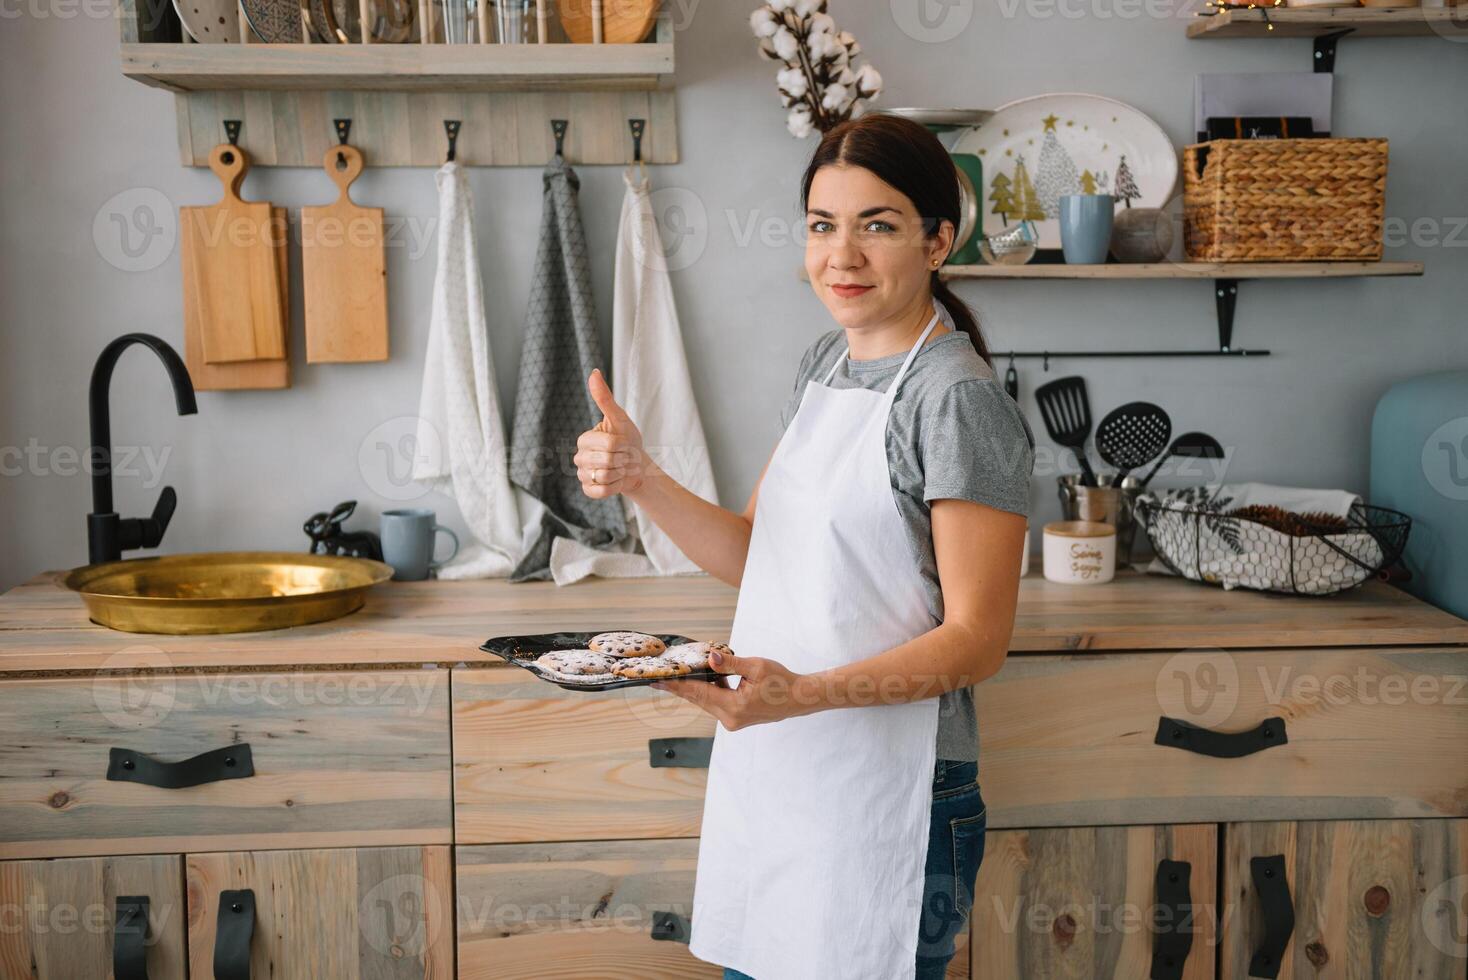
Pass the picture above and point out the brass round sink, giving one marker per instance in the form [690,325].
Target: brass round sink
[224,592]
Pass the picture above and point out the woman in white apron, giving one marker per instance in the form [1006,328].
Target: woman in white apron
[878,569]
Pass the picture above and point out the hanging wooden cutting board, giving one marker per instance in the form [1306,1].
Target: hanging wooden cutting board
[622,21]
[231,273]
[241,374]
[344,271]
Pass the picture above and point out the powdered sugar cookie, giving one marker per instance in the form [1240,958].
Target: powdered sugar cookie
[649,667]
[695,655]
[623,643]
[579,678]
[575,662]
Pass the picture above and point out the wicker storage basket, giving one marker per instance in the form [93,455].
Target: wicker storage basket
[1284,200]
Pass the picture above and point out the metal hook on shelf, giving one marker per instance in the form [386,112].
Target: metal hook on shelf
[638,127]
[343,130]
[451,130]
[232,131]
[558,127]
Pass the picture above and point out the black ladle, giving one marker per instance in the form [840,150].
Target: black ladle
[1132,436]
[1198,445]
[1066,412]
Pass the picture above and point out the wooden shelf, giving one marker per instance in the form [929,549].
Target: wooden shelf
[1183,270]
[1224,278]
[399,67]
[1187,270]
[1448,22]
[398,96]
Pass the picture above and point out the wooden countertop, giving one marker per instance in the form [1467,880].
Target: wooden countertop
[44,629]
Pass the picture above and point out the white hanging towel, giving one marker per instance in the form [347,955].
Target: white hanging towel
[461,437]
[649,369]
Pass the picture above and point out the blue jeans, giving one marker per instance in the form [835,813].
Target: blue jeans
[955,850]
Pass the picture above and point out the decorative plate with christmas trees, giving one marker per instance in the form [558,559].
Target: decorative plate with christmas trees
[1037,150]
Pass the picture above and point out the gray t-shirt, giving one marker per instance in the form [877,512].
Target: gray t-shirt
[954,432]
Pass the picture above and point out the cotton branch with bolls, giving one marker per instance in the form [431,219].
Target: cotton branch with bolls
[818,85]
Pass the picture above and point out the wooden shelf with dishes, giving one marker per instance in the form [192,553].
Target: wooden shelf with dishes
[1448,22]
[399,94]
[1186,270]
[431,66]
[1182,270]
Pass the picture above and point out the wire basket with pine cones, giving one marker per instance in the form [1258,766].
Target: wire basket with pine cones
[1198,535]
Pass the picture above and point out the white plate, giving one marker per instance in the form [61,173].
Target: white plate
[943,120]
[210,21]
[1060,139]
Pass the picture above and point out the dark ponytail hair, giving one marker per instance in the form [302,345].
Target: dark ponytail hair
[910,158]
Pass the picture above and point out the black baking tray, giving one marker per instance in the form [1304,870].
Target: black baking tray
[522,651]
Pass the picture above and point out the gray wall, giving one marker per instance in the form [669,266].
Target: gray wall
[251,466]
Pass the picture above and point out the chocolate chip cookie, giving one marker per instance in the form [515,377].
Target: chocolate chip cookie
[649,667]
[695,655]
[623,643]
[576,662]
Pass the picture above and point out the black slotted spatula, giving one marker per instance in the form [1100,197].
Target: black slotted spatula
[1066,411]
[1132,436]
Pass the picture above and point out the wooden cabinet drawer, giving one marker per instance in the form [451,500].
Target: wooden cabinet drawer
[534,762]
[68,919]
[1361,898]
[1360,733]
[338,759]
[609,909]
[1096,903]
[578,910]
[371,913]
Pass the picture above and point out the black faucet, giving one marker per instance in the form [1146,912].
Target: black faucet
[108,535]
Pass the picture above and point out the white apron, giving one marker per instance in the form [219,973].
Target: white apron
[815,829]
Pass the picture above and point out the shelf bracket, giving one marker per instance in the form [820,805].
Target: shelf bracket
[1226,296]
[1325,50]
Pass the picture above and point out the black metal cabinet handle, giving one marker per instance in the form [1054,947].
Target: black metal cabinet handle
[670,927]
[1221,745]
[230,762]
[232,932]
[130,938]
[1279,914]
[1171,941]
[686,753]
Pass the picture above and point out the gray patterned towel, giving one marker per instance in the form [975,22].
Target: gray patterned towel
[552,405]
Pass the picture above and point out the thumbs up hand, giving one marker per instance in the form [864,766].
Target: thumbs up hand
[609,458]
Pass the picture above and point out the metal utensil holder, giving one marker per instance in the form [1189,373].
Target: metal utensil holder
[1108,504]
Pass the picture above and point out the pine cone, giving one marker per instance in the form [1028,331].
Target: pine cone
[1288,522]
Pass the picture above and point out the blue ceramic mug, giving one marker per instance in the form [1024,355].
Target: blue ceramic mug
[408,537]
[1085,227]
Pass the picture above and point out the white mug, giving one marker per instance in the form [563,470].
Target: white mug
[1024,556]
[1080,552]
